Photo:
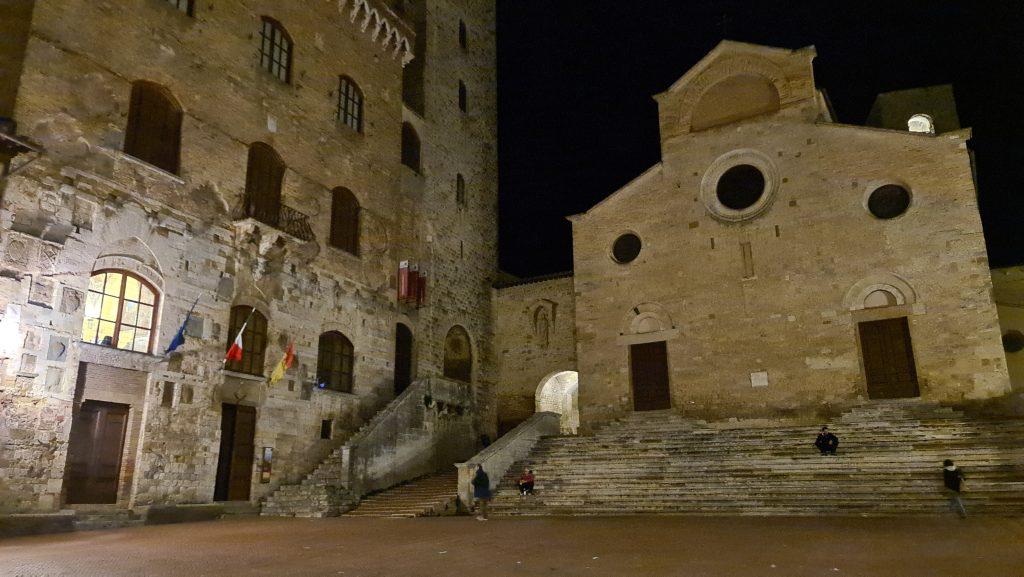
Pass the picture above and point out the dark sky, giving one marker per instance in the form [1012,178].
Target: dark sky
[577,121]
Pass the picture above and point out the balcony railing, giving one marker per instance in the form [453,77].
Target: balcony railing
[283,217]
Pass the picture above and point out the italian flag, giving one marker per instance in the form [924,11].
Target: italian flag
[284,365]
[235,350]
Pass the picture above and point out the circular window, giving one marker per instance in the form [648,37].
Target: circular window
[889,201]
[626,248]
[1013,341]
[740,187]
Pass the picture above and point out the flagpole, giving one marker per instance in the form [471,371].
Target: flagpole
[224,363]
[188,315]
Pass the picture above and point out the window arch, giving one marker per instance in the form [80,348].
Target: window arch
[154,126]
[410,147]
[254,339]
[120,311]
[463,97]
[263,179]
[350,104]
[458,355]
[335,356]
[276,50]
[345,220]
[460,190]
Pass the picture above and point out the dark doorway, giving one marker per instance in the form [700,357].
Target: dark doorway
[94,452]
[237,447]
[458,355]
[403,358]
[888,359]
[648,365]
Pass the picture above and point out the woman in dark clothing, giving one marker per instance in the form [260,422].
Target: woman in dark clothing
[953,478]
[481,492]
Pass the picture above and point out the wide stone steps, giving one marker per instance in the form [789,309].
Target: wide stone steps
[889,462]
[431,495]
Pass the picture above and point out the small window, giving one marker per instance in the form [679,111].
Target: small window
[350,104]
[276,50]
[626,248]
[462,96]
[463,35]
[740,187]
[889,201]
[460,190]
[344,220]
[335,356]
[326,428]
[254,339]
[153,134]
[410,147]
[186,6]
[167,400]
[120,311]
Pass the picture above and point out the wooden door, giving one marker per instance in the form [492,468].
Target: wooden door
[95,448]
[888,359]
[403,358]
[648,365]
[237,449]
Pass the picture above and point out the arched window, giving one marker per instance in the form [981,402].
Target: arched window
[334,362]
[154,126]
[460,190]
[463,35]
[254,339]
[458,355]
[350,104]
[463,104]
[120,311]
[276,50]
[344,220]
[410,147]
[263,179]
[186,6]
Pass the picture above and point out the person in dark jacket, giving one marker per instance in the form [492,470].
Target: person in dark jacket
[953,479]
[481,492]
[826,442]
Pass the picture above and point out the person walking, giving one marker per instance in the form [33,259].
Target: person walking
[481,492]
[953,479]
[826,442]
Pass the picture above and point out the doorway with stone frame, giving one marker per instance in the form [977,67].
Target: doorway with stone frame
[888,357]
[648,367]
[237,451]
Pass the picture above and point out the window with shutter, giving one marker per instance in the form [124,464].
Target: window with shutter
[335,357]
[263,180]
[153,134]
[254,340]
[344,220]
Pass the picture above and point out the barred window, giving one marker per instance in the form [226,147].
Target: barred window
[334,362]
[276,50]
[254,340]
[186,6]
[120,311]
[350,104]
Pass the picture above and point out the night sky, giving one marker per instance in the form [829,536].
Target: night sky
[576,77]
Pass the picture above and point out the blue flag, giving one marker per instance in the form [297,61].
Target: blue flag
[179,337]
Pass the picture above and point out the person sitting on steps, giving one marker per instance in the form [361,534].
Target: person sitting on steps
[526,483]
[826,442]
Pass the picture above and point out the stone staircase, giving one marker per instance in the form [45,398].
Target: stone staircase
[889,463]
[427,496]
[320,494]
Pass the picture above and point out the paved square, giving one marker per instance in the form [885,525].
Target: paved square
[552,547]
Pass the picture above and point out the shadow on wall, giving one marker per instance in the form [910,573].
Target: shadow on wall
[559,393]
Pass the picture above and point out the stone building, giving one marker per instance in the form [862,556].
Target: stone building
[1008,289]
[774,262]
[277,166]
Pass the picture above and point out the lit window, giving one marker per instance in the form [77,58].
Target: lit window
[120,311]
[350,104]
[276,50]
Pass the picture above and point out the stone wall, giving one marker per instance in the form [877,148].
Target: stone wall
[85,205]
[535,326]
[1008,290]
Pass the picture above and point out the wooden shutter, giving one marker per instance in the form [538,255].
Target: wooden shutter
[345,220]
[153,134]
[263,180]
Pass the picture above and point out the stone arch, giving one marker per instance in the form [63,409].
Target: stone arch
[879,290]
[646,318]
[133,255]
[734,98]
[458,355]
[558,393]
[738,71]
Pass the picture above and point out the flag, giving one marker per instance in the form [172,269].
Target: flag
[179,337]
[235,350]
[286,363]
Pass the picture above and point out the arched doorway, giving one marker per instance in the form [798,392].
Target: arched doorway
[559,393]
[403,358]
[458,355]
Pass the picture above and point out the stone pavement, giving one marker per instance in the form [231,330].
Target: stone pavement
[550,546]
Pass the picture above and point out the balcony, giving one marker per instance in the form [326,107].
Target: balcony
[282,217]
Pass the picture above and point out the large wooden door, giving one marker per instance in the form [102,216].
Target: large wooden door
[648,365]
[94,452]
[403,358]
[237,449]
[888,359]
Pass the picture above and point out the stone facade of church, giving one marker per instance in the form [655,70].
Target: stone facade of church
[423,174]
